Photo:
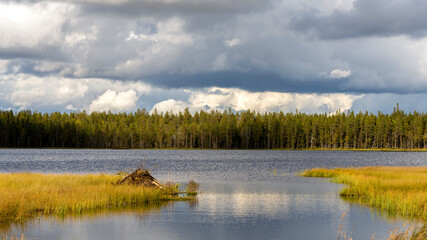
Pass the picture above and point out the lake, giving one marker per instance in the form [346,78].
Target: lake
[245,194]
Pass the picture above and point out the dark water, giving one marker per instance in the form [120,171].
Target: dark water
[245,194]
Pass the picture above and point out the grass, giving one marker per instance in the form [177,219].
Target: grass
[12,237]
[396,190]
[401,190]
[25,195]
[192,188]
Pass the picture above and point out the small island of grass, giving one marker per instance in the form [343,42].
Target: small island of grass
[25,195]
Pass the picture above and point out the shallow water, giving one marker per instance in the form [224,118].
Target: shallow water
[245,194]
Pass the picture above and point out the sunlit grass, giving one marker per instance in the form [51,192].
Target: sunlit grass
[25,195]
[12,237]
[396,190]
[192,188]
[401,190]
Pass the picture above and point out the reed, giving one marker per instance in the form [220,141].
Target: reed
[192,188]
[25,195]
[12,237]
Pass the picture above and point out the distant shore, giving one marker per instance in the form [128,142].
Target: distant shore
[242,149]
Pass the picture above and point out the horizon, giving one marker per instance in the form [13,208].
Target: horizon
[192,113]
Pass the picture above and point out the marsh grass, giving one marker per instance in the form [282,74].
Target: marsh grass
[24,195]
[396,190]
[192,188]
[409,233]
[12,237]
[171,188]
[401,190]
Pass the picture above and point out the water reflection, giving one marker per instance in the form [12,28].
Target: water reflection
[389,217]
[139,213]
[223,211]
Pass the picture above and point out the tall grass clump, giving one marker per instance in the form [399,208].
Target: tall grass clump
[27,194]
[171,188]
[192,188]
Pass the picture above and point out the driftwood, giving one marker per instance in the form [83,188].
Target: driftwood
[140,176]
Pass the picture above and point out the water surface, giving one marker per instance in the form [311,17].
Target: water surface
[249,194]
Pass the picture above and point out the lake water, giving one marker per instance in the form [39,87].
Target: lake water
[244,194]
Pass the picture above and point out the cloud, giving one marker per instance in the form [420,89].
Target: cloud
[339,73]
[344,5]
[238,100]
[233,42]
[55,93]
[253,48]
[170,105]
[115,101]
[269,47]
[71,107]
[3,66]
[35,25]
[164,8]
[366,18]
[25,90]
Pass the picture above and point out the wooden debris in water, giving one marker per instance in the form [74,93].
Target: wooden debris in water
[140,176]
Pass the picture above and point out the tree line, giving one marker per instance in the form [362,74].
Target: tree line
[214,130]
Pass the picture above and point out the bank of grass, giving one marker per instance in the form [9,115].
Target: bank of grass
[25,195]
[396,190]
[401,190]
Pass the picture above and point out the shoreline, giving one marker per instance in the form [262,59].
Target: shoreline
[244,149]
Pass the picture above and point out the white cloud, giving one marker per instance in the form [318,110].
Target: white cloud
[70,107]
[345,5]
[233,42]
[237,99]
[168,32]
[23,90]
[3,66]
[28,91]
[31,25]
[170,105]
[115,101]
[339,73]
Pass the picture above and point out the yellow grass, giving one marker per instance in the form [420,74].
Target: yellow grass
[27,194]
[401,190]
[13,237]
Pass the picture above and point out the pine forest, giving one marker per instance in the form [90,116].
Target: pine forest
[214,130]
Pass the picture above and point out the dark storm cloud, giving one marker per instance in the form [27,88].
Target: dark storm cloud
[51,53]
[366,18]
[164,8]
[170,8]
[200,16]
[256,82]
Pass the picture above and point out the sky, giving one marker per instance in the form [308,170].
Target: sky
[314,56]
